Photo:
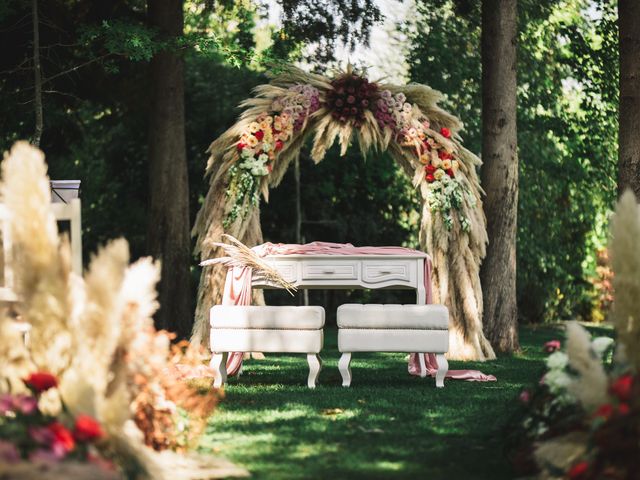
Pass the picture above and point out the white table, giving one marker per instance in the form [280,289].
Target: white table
[350,272]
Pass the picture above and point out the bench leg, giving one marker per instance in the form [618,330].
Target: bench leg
[345,369]
[315,365]
[219,366]
[443,368]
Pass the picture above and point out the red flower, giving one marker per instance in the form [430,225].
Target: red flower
[621,388]
[430,178]
[279,145]
[623,409]
[41,381]
[87,429]
[240,146]
[604,411]
[578,470]
[449,172]
[62,437]
[445,132]
[444,155]
[430,168]
[259,134]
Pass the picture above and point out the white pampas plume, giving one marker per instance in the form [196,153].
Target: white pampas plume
[625,259]
[41,261]
[590,385]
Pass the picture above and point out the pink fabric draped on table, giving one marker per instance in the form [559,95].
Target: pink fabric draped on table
[237,291]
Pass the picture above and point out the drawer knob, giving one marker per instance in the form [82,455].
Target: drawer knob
[328,270]
[385,272]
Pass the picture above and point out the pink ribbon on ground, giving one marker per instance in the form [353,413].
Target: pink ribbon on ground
[237,291]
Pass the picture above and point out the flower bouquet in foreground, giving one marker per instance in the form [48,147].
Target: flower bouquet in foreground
[36,427]
[94,386]
[582,422]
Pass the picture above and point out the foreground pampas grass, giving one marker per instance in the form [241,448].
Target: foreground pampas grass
[97,335]
[625,259]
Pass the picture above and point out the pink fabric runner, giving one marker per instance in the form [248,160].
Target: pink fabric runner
[237,291]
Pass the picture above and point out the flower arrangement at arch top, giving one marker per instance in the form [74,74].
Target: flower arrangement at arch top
[261,143]
[351,97]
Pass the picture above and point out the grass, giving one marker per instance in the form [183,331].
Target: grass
[387,425]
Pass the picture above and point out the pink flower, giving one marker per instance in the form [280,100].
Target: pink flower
[8,452]
[45,456]
[6,403]
[525,396]
[26,404]
[41,435]
[552,345]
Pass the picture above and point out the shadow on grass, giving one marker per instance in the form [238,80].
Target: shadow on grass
[387,425]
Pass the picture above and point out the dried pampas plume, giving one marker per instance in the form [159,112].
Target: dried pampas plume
[625,258]
[590,385]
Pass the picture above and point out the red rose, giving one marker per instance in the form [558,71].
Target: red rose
[62,437]
[41,381]
[259,134]
[430,178]
[578,470]
[444,155]
[623,409]
[449,172]
[445,132]
[87,429]
[430,168]
[279,144]
[604,411]
[621,388]
[240,146]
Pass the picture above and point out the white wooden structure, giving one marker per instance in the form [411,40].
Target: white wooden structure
[72,212]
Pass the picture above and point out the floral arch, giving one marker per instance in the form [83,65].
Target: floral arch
[253,155]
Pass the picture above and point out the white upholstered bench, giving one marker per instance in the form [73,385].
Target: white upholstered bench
[393,328]
[283,329]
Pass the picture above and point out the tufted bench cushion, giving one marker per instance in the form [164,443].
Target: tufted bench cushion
[419,317]
[267,317]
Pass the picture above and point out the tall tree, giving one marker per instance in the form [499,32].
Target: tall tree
[168,229]
[500,171]
[629,113]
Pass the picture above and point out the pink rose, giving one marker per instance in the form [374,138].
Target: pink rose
[8,452]
[525,396]
[552,345]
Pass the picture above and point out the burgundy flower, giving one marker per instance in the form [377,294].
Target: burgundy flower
[259,134]
[430,178]
[578,470]
[621,388]
[41,381]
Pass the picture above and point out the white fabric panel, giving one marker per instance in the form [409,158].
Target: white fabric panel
[257,340]
[430,317]
[266,317]
[385,340]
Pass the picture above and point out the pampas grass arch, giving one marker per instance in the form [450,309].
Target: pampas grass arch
[455,236]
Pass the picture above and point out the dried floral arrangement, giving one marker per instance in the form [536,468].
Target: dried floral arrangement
[92,339]
[583,421]
[254,154]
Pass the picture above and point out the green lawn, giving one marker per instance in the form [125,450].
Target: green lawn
[387,425]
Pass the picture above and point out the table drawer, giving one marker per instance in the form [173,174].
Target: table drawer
[378,272]
[329,271]
[288,270]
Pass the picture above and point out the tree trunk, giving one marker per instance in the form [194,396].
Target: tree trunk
[500,172]
[168,229]
[629,113]
[37,76]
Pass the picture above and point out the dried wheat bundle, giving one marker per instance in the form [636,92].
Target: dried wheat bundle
[239,255]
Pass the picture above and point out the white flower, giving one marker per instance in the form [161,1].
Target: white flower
[264,158]
[557,361]
[557,381]
[266,146]
[438,174]
[601,344]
